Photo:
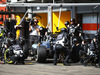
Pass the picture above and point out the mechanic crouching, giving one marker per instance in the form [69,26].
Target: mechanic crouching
[96,43]
[62,48]
[75,54]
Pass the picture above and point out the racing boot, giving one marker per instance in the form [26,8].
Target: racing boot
[66,61]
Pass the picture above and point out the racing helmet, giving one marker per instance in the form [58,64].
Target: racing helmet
[63,30]
[75,40]
[67,23]
[86,39]
[9,34]
[72,20]
[41,28]
[21,40]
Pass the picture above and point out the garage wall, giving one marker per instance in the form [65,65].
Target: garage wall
[90,23]
[43,21]
[2,8]
[86,9]
[65,16]
[89,18]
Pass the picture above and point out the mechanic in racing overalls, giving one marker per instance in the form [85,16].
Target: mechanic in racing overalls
[62,47]
[97,46]
[75,45]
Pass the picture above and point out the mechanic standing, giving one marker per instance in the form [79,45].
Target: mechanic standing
[76,47]
[34,32]
[73,24]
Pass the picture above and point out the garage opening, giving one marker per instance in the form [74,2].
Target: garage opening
[89,23]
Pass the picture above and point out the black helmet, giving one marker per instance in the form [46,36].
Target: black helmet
[86,39]
[21,40]
[2,30]
[72,20]
[13,41]
[9,34]
[67,23]
[99,30]
[75,40]
[98,33]
[36,20]
[31,22]
[63,30]
[41,28]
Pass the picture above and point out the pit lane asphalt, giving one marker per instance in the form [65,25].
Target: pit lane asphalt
[34,68]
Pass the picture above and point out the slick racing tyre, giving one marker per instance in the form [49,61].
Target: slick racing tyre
[41,54]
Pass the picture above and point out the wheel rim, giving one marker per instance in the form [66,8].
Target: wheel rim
[7,60]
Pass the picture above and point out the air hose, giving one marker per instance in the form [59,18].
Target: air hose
[59,16]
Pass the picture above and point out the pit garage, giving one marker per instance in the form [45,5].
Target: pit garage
[85,14]
[53,16]
[88,16]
